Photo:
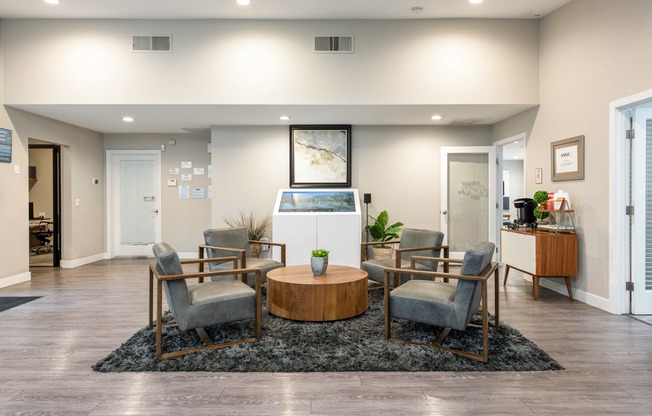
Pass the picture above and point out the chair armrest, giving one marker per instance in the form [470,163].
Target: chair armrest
[271,243]
[169,277]
[405,250]
[486,273]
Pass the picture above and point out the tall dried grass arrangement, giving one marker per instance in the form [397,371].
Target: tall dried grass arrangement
[258,226]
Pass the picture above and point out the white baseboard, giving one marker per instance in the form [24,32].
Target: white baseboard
[71,264]
[14,280]
[582,296]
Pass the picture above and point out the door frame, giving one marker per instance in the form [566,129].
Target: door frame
[110,192]
[492,191]
[499,177]
[619,297]
[56,199]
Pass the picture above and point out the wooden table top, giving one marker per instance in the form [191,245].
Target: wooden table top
[302,275]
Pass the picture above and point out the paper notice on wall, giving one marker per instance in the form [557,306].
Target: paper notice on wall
[198,171]
[566,159]
[186,165]
[184,192]
[198,193]
[186,177]
[210,171]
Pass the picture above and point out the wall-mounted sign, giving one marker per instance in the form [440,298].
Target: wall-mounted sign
[5,145]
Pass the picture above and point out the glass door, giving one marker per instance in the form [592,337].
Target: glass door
[469,213]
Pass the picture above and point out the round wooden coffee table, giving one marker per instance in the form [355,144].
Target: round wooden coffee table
[294,293]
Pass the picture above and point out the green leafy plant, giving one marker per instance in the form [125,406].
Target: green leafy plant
[539,197]
[258,227]
[320,252]
[380,231]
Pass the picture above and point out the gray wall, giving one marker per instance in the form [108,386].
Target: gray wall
[398,165]
[182,220]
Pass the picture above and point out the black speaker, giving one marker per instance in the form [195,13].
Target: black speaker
[367,198]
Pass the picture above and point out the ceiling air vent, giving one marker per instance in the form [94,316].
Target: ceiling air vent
[334,44]
[151,44]
[468,121]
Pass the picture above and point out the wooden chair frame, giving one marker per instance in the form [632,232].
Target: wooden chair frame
[491,269]
[240,253]
[399,251]
[208,342]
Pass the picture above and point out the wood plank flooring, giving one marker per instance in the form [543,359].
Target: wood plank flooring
[48,346]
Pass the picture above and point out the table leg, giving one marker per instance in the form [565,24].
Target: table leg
[496,300]
[535,288]
[506,273]
[568,287]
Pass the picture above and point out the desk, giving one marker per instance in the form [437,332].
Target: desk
[294,293]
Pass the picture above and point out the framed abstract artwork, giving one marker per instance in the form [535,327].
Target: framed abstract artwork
[320,156]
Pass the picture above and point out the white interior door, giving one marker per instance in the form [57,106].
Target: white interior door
[642,218]
[469,213]
[134,202]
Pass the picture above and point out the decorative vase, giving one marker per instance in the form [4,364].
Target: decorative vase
[319,265]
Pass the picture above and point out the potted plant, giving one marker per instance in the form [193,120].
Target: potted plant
[381,232]
[319,261]
[258,228]
[540,197]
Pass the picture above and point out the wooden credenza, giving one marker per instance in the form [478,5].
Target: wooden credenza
[540,254]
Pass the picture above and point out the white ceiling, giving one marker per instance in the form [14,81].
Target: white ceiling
[174,118]
[277,9]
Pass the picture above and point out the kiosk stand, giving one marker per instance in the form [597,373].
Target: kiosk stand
[306,219]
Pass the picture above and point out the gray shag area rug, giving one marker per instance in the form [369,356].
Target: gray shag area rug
[8,302]
[355,344]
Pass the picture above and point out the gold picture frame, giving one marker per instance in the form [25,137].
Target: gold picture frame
[567,159]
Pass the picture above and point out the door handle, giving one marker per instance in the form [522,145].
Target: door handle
[155,212]
[445,212]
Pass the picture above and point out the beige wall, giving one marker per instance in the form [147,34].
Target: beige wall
[398,165]
[591,54]
[450,61]
[182,220]
[14,244]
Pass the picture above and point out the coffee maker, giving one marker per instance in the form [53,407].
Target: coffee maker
[525,212]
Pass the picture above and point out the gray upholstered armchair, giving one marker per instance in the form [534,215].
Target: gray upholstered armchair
[221,242]
[202,304]
[413,242]
[446,305]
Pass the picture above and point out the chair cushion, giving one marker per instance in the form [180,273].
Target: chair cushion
[265,265]
[218,302]
[376,269]
[167,259]
[414,237]
[227,237]
[477,258]
[424,301]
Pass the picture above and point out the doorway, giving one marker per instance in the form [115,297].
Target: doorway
[44,205]
[468,196]
[630,289]
[133,190]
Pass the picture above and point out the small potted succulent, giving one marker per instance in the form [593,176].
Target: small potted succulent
[319,261]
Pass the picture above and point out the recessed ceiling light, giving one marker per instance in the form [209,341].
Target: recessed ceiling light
[475,1]
[284,118]
[436,117]
[127,119]
[243,2]
[51,1]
